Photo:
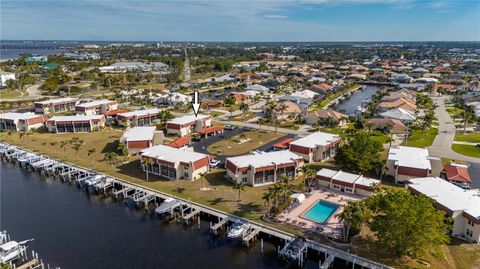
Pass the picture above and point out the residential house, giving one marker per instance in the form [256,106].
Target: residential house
[188,124]
[325,115]
[290,110]
[55,105]
[21,121]
[173,163]
[97,107]
[458,174]
[346,182]
[174,99]
[408,162]
[381,124]
[137,139]
[138,117]
[401,114]
[262,168]
[459,204]
[398,103]
[316,147]
[76,124]
[258,88]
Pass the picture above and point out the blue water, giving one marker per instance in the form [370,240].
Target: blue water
[321,211]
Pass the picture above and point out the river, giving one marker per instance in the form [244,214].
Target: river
[349,105]
[73,229]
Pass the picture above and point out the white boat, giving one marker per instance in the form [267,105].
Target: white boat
[238,229]
[167,206]
[12,250]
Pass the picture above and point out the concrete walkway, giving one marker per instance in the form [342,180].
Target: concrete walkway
[466,143]
[442,145]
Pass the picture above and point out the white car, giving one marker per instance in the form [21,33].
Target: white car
[214,163]
[230,127]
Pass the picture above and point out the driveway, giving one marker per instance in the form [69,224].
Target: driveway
[442,145]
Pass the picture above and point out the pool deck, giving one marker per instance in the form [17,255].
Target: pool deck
[294,215]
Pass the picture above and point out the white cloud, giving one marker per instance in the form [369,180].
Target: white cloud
[273,16]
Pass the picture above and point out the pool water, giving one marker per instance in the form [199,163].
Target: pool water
[321,211]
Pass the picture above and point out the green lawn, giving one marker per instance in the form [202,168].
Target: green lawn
[233,146]
[468,150]
[9,94]
[453,111]
[419,140]
[472,137]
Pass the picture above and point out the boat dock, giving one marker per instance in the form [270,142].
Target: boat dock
[293,248]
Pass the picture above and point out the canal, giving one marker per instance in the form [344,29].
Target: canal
[73,229]
[349,105]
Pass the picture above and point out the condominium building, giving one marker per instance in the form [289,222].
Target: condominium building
[76,124]
[55,105]
[316,147]
[138,117]
[21,121]
[140,138]
[173,163]
[262,168]
[188,124]
[96,107]
[347,182]
[408,162]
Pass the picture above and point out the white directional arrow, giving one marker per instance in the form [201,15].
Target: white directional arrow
[196,103]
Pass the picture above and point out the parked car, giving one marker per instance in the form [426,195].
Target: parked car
[230,127]
[214,163]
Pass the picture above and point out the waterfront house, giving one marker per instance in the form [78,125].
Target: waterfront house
[174,99]
[325,115]
[21,121]
[188,124]
[174,164]
[76,124]
[4,77]
[97,107]
[323,88]
[398,103]
[316,147]
[55,105]
[290,110]
[382,125]
[138,118]
[408,162]
[346,182]
[463,206]
[400,114]
[262,168]
[139,138]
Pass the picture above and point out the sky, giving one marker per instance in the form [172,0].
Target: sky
[241,20]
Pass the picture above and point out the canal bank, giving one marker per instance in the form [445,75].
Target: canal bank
[352,101]
[71,173]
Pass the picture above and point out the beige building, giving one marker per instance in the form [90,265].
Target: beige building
[188,124]
[408,162]
[316,147]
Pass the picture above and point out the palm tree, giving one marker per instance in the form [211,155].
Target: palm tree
[467,117]
[24,136]
[244,108]
[239,186]
[147,162]
[231,109]
[91,152]
[203,176]
[354,214]
[267,197]
[300,118]
[381,168]
[110,157]
[77,146]
[63,145]
[310,174]
[53,144]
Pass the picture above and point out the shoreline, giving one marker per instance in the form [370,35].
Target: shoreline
[266,229]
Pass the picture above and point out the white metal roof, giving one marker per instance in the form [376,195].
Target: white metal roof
[448,194]
[262,159]
[95,103]
[138,113]
[172,154]
[316,139]
[348,177]
[187,119]
[399,114]
[76,118]
[138,134]
[54,101]
[410,157]
[18,116]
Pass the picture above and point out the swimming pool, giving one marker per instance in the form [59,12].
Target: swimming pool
[321,211]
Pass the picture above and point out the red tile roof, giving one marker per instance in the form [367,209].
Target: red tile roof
[210,130]
[323,87]
[457,173]
[284,144]
[180,142]
[115,112]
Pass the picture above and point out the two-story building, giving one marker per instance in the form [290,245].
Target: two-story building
[97,107]
[76,124]
[55,105]
[140,138]
[21,121]
[463,206]
[262,168]
[316,147]
[188,124]
[138,117]
[408,162]
[174,164]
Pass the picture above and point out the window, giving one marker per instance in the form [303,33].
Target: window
[469,232]
[336,187]
[470,223]
[245,180]
[244,172]
[185,174]
[186,167]
[349,190]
